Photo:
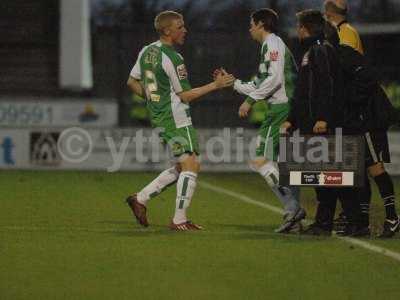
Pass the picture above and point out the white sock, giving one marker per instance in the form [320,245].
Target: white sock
[155,187]
[270,173]
[184,190]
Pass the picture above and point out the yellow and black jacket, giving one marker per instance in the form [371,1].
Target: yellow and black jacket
[349,36]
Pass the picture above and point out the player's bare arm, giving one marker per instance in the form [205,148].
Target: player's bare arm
[135,86]
[221,81]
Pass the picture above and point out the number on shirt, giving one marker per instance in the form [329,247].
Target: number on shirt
[151,86]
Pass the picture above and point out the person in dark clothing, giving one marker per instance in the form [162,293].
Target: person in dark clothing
[316,107]
[355,202]
[367,112]
[336,12]
[318,101]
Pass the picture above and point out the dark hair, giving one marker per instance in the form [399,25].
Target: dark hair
[268,17]
[312,20]
[331,34]
[332,7]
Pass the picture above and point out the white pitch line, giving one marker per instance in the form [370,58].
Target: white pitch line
[371,247]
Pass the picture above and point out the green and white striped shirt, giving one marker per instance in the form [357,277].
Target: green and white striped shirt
[276,74]
[163,74]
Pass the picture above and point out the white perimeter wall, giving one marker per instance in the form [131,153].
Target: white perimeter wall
[75,48]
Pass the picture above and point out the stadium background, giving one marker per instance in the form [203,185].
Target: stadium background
[70,60]
[67,235]
[30,47]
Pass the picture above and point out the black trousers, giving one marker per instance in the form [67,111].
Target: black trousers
[364,200]
[327,199]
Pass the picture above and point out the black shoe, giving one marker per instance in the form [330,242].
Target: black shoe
[339,224]
[317,230]
[292,221]
[390,227]
[355,231]
[363,231]
[347,230]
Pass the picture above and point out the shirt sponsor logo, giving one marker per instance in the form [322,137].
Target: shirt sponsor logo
[333,178]
[274,55]
[310,178]
[182,73]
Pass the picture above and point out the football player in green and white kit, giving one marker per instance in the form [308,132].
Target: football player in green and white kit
[274,83]
[159,75]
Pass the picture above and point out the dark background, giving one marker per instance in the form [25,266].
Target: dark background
[218,36]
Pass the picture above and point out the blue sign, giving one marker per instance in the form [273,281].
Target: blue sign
[8,147]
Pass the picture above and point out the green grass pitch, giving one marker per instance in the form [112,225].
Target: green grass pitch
[69,235]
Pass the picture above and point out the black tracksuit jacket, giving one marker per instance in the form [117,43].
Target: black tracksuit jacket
[367,105]
[319,89]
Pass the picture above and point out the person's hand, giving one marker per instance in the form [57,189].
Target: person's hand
[285,127]
[320,127]
[219,71]
[244,109]
[223,80]
[216,73]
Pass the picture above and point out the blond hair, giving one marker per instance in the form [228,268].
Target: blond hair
[164,19]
